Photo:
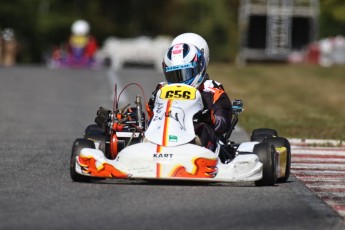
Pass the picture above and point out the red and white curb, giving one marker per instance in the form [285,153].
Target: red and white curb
[321,169]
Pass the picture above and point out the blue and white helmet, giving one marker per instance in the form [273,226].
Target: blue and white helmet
[184,63]
[194,39]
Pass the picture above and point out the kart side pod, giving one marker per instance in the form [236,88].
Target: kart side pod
[261,161]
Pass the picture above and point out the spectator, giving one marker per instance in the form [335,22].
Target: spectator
[9,47]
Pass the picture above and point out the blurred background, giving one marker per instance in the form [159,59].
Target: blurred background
[236,30]
[285,46]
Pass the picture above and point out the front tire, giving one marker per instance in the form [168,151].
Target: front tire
[78,145]
[266,154]
[279,142]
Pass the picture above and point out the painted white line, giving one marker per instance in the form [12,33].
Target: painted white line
[314,152]
[312,181]
[114,78]
[307,179]
[318,148]
[333,203]
[327,186]
[319,166]
[317,172]
[341,212]
[295,141]
[332,195]
[111,79]
[296,160]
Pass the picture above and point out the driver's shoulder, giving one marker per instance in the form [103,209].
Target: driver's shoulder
[212,86]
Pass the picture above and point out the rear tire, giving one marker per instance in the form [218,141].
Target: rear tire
[262,133]
[279,142]
[92,129]
[78,145]
[266,154]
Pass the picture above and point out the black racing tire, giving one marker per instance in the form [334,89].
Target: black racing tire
[262,133]
[93,128]
[279,142]
[96,133]
[78,145]
[266,154]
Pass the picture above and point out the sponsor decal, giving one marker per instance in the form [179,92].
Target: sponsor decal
[162,156]
[177,67]
[172,138]
[282,156]
[177,49]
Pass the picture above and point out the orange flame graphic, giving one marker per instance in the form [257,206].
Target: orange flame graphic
[204,168]
[88,165]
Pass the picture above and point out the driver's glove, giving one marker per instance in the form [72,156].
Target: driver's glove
[203,116]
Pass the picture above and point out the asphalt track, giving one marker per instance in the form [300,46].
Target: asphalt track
[43,111]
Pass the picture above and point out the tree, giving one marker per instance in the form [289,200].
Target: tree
[41,24]
[332,18]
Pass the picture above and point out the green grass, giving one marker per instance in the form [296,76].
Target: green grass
[298,101]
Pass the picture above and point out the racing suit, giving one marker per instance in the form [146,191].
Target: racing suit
[89,44]
[216,116]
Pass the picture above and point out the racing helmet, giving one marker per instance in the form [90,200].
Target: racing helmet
[184,63]
[80,27]
[8,34]
[194,39]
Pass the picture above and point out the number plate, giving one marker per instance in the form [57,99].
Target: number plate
[178,92]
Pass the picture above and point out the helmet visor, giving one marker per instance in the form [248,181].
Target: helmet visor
[181,73]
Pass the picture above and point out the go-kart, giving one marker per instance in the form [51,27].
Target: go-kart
[72,55]
[121,145]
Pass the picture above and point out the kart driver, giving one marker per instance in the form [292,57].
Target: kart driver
[217,114]
[80,48]
[81,37]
